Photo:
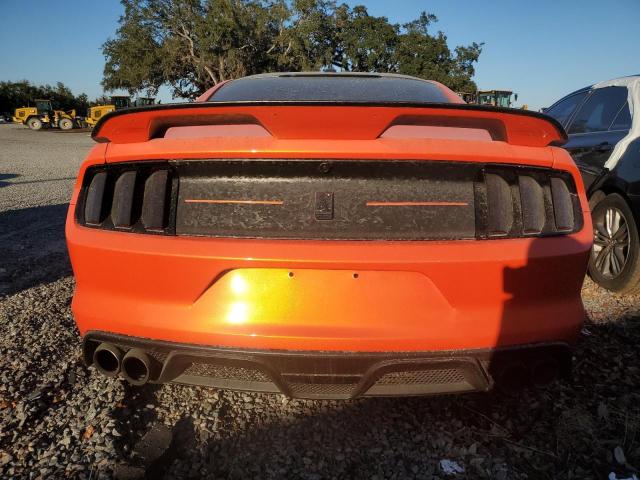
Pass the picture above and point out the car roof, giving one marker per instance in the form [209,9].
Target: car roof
[347,87]
[628,82]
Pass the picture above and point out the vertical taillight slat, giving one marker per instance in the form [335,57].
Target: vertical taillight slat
[95,199]
[153,204]
[532,200]
[500,205]
[122,205]
[562,205]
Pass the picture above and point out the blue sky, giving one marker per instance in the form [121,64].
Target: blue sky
[540,49]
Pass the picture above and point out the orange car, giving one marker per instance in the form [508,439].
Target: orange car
[329,236]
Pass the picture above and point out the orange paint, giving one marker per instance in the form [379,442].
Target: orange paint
[239,202]
[417,204]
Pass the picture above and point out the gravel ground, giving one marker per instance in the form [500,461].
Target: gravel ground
[59,419]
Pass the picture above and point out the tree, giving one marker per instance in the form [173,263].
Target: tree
[423,55]
[21,94]
[365,43]
[191,45]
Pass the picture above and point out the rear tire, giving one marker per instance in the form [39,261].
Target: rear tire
[65,124]
[615,258]
[34,123]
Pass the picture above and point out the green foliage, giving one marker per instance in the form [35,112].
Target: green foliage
[21,94]
[192,45]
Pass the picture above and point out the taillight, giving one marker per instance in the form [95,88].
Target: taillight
[128,197]
[370,200]
[523,202]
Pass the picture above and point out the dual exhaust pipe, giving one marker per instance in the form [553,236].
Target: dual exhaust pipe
[136,366]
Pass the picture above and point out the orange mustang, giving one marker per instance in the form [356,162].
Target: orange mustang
[329,236]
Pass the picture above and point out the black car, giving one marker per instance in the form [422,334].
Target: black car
[603,124]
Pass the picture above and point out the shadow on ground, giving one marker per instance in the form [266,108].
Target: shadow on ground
[7,176]
[566,430]
[569,429]
[32,247]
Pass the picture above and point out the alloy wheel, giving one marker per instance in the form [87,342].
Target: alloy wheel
[610,243]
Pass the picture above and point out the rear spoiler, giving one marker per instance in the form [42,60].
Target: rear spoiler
[330,120]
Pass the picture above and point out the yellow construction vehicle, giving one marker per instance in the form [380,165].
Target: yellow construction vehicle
[496,98]
[44,115]
[21,115]
[117,102]
[95,113]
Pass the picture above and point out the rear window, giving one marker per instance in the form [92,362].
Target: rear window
[328,88]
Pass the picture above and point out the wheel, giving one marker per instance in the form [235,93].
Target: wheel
[34,123]
[615,258]
[65,124]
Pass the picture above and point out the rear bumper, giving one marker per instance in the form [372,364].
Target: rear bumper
[340,375]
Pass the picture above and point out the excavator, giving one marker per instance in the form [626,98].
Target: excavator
[44,115]
[118,102]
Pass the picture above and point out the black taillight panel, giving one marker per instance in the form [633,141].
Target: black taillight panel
[129,197]
[372,200]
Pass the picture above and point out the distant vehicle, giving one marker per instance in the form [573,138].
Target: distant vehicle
[604,141]
[468,97]
[44,115]
[329,235]
[96,112]
[494,98]
[118,102]
[143,102]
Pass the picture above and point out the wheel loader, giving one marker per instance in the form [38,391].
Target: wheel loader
[118,102]
[96,112]
[44,115]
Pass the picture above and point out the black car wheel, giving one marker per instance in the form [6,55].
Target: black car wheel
[615,258]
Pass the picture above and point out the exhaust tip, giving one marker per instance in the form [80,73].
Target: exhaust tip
[107,358]
[138,367]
